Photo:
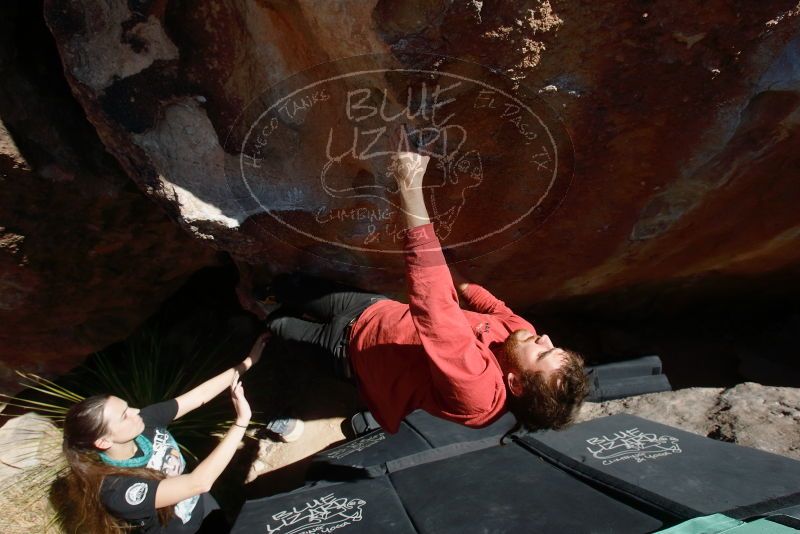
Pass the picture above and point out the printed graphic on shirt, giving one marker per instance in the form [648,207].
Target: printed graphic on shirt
[632,444]
[318,515]
[168,459]
[136,493]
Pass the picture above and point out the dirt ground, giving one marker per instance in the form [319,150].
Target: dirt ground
[290,381]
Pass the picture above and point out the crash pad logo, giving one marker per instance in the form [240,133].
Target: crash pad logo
[356,446]
[632,444]
[322,515]
[313,164]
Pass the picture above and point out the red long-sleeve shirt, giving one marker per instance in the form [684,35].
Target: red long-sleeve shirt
[431,354]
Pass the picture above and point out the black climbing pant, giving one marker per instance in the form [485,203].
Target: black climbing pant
[331,308]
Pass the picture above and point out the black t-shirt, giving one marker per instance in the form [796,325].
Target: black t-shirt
[133,499]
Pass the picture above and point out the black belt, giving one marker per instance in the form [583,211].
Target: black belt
[348,328]
[345,367]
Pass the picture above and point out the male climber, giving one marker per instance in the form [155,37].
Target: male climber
[467,366]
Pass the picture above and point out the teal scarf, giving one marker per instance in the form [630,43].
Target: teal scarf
[137,461]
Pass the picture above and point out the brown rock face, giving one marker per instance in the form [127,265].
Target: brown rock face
[578,148]
[84,256]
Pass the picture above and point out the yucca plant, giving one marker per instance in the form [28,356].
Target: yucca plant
[146,371]
[142,372]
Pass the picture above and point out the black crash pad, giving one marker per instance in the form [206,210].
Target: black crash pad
[439,432]
[367,455]
[447,490]
[627,378]
[605,390]
[643,366]
[367,507]
[682,474]
[508,489]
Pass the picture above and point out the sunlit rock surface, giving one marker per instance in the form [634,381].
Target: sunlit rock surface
[683,119]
